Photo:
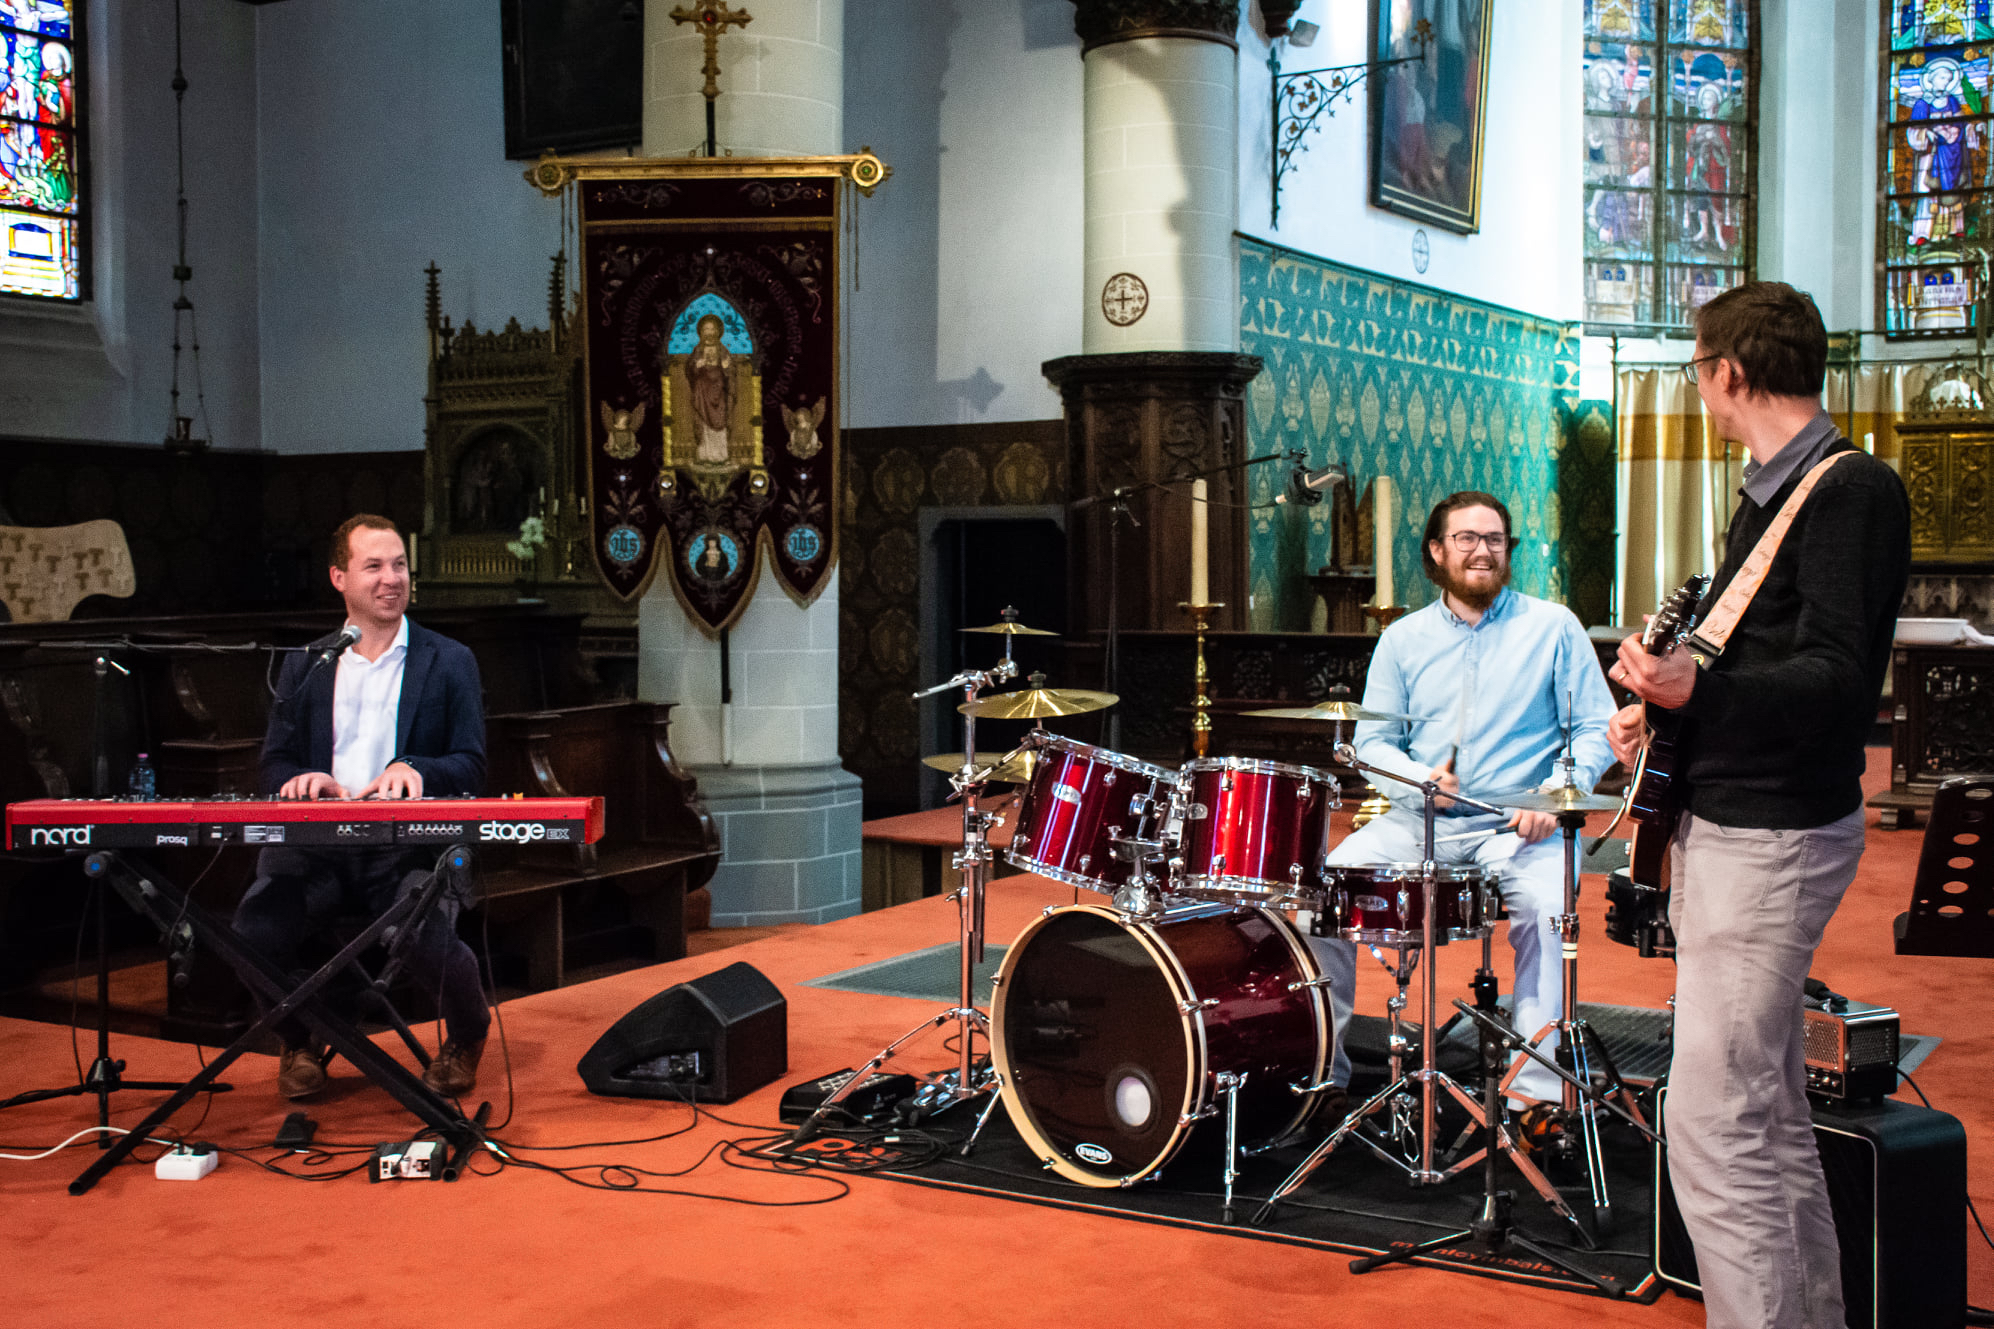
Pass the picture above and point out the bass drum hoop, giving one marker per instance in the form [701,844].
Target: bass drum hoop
[1198,1091]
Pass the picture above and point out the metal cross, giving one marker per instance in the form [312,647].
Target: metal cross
[713,19]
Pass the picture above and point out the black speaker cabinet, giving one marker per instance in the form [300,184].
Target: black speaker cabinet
[1897,1183]
[714,1039]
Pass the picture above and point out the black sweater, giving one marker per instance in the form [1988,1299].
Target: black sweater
[1781,717]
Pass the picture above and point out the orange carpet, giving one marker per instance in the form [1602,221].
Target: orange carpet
[526,1249]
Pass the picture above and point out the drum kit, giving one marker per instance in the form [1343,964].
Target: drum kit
[1186,991]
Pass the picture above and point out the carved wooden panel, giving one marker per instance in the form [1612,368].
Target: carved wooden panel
[1947,468]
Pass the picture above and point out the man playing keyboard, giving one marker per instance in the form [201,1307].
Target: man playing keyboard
[398,714]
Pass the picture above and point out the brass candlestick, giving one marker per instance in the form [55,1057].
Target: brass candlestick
[1201,705]
[1385,615]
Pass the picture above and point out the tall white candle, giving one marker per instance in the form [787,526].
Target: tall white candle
[1381,534]
[1201,589]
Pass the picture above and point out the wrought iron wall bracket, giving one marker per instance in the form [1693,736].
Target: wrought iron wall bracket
[1303,98]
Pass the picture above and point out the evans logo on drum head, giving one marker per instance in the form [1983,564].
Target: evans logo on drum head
[1093,1153]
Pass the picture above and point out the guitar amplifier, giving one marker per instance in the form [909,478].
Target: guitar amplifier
[1851,1050]
[1896,1178]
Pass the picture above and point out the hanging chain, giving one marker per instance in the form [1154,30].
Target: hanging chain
[180,432]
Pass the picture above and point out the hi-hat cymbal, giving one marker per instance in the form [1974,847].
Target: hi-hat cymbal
[1008,629]
[991,767]
[1038,704]
[1334,710]
[1565,798]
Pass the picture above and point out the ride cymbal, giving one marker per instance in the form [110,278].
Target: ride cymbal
[1008,626]
[991,767]
[1038,704]
[1334,710]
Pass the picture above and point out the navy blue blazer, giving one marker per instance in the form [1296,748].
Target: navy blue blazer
[439,728]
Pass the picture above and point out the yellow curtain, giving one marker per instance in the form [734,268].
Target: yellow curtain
[1678,482]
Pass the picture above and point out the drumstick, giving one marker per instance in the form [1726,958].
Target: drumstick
[1473,835]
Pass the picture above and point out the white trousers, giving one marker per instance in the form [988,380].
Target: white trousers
[1748,908]
[1533,890]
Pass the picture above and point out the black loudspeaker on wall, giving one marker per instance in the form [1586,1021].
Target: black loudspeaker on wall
[714,1039]
[1896,1177]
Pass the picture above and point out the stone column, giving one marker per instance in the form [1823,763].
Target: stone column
[1162,134]
[1158,392]
[787,811]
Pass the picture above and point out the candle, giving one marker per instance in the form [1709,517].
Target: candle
[1201,589]
[1381,531]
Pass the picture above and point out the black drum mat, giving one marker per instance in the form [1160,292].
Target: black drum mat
[1355,1202]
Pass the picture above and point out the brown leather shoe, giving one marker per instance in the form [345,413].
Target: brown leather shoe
[454,1072]
[299,1073]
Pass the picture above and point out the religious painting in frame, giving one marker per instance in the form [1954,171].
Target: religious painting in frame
[1427,113]
[710,354]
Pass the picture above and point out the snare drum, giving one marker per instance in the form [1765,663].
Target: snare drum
[1382,903]
[1249,829]
[1638,916]
[1079,801]
[1110,1034]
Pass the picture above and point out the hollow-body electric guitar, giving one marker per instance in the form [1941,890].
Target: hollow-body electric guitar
[1651,799]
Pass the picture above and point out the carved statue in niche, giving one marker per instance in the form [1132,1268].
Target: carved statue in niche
[496,482]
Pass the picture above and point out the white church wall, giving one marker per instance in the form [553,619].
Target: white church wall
[101,371]
[382,148]
[1531,188]
[969,258]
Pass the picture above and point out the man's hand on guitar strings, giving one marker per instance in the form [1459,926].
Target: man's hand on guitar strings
[1626,731]
[1664,680]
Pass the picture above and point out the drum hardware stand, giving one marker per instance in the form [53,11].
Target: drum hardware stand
[966,1081]
[1430,1078]
[1230,1083]
[1491,1229]
[1578,1043]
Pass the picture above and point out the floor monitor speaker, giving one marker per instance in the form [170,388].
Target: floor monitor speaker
[1897,1183]
[714,1039]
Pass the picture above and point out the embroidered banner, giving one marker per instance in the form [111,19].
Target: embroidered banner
[710,325]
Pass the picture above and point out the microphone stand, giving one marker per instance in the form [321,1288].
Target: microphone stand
[1117,500]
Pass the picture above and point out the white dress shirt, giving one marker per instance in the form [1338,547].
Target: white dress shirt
[366,705]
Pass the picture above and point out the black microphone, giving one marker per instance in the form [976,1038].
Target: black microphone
[330,645]
[1305,486]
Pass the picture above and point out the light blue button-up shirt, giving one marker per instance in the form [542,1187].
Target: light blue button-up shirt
[1502,691]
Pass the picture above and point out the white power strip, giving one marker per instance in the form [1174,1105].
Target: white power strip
[184,1165]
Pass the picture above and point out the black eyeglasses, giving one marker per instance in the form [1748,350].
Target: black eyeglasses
[1465,541]
[1689,368]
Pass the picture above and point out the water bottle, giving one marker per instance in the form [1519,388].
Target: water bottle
[144,783]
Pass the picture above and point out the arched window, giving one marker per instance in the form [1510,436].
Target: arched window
[41,152]
[1932,210]
[1670,142]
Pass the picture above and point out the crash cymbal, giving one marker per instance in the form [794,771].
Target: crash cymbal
[1038,704]
[992,767]
[1565,798]
[1334,710]
[1008,626]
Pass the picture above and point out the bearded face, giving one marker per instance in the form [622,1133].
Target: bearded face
[1471,559]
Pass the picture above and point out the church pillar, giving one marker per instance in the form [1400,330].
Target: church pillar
[787,811]
[1158,391]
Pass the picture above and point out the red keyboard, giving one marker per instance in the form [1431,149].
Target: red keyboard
[92,823]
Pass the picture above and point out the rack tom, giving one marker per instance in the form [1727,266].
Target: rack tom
[1248,830]
[1079,801]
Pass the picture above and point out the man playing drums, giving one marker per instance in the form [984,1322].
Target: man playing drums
[1502,681]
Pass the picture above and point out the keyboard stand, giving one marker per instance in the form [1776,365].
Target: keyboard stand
[185,923]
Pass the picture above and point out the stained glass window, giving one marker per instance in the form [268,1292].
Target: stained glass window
[40,152]
[1671,113]
[1932,224]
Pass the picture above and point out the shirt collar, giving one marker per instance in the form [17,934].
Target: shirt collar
[1805,448]
[1497,608]
[400,643]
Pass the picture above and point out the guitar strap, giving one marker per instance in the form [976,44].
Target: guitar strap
[1707,642]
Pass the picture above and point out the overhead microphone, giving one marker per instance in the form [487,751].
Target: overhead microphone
[1305,486]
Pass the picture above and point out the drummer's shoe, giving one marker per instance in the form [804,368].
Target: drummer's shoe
[1541,1129]
[1333,1107]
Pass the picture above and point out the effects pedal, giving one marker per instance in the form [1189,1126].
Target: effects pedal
[871,1104]
[418,1160]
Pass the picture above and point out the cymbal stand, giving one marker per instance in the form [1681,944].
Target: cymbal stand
[966,1081]
[1578,1044]
[1429,1077]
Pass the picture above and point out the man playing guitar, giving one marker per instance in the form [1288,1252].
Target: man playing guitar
[1775,696]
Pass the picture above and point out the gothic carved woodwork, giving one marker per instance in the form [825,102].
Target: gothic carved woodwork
[1144,423]
[1100,22]
[1944,721]
[1947,466]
